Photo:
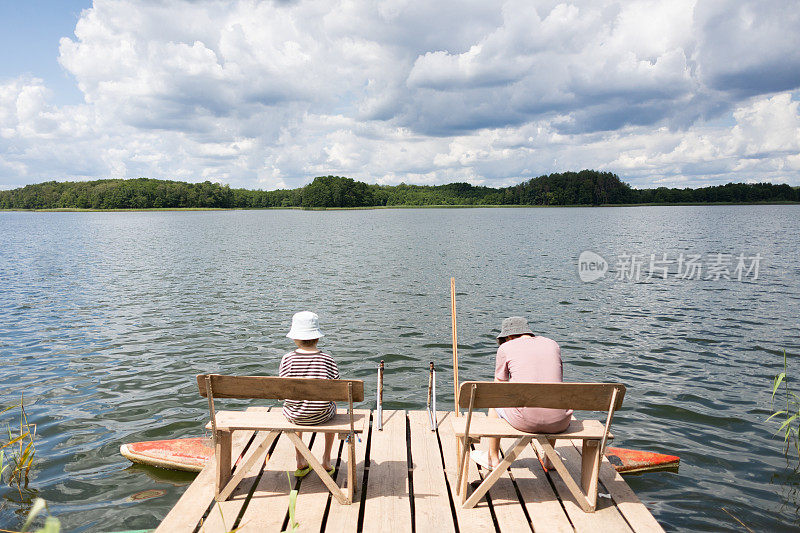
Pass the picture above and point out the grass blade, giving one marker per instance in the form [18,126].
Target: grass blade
[10,407]
[9,443]
[777,413]
[37,507]
[51,525]
[777,383]
[788,421]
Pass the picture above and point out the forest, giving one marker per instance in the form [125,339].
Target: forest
[586,188]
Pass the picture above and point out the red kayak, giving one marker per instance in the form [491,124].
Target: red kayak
[192,455]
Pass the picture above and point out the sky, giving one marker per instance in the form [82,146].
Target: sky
[270,94]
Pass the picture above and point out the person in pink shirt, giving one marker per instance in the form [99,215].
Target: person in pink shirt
[525,357]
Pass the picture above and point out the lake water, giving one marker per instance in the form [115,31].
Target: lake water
[105,318]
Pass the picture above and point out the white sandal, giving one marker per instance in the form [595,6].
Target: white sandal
[481,458]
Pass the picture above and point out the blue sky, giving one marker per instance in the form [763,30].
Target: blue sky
[29,34]
[269,94]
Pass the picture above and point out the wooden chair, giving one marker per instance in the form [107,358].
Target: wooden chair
[577,396]
[224,423]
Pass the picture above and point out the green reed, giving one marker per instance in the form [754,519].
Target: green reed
[51,523]
[16,457]
[790,416]
[292,525]
[18,451]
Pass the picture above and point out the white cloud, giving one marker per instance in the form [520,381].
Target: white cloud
[270,94]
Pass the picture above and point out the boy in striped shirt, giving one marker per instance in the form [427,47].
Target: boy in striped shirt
[308,362]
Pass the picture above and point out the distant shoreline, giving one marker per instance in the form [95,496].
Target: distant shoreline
[569,189]
[443,206]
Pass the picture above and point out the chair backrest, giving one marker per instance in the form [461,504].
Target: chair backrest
[274,388]
[577,396]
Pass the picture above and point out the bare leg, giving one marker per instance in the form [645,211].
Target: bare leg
[301,461]
[326,456]
[494,444]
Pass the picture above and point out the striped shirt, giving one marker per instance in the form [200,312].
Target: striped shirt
[317,365]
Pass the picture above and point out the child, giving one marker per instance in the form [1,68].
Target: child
[308,362]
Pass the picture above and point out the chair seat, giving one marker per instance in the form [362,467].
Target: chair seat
[275,421]
[498,427]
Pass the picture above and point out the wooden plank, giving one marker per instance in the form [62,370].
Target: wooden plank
[387,505]
[605,518]
[506,504]
[497,427]
[340,423]
[275,388]
[344,518]
[543,507]
[267,508]
[431,503]
[634,511]
[475,520]
[578,396]
[189,509]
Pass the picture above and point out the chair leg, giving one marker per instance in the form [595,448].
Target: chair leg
[242,469]
[223,455]
[351,470]
[312,461]
[558,464]
[590,469]
[458,464]
[510,455]
[461,488]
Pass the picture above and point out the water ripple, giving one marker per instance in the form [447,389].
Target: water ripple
[105,318]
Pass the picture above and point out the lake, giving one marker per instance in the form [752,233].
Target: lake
[105,318]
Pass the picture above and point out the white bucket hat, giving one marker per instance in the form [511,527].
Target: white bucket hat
[305,326]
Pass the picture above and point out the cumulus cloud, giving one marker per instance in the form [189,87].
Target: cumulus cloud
[269,94]
[748,48]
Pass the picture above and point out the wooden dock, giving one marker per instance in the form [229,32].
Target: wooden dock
[406,475]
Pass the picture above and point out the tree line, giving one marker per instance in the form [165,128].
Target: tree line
[587,187]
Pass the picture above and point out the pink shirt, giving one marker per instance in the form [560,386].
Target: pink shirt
[532,359]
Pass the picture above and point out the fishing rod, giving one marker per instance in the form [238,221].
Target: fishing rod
[379,410]
[434,422]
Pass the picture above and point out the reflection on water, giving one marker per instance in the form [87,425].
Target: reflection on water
[787,484]
[147,494]
[105,318]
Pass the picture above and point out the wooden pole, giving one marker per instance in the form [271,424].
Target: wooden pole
[210,395]
[455,343]
[379,413]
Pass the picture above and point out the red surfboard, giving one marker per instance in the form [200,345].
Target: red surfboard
[627,461]
[193,454]
[175,454]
